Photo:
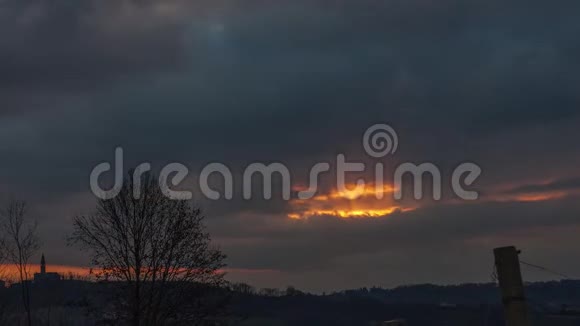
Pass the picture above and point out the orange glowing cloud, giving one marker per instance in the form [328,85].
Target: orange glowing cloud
[531,196]
[359,192]
[361,202]
[353,213]
[551,189]
[539,197]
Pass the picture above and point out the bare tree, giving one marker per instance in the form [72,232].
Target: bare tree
[21,242]
[4,298]
[157,250]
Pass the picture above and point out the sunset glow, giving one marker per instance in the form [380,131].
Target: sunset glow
[357,213]
[368,202]
[358,192]
[533,197]
[539,197]
[9,272]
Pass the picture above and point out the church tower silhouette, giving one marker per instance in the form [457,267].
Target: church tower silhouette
[44,276]
[42,265]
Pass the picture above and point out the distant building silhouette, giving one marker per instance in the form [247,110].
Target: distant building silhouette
[43,276]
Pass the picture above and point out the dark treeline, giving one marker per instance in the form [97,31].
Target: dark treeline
[552,303]
[82,302]
[548,293]
[564,292]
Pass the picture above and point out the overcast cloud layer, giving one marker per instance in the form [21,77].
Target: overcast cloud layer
[491,82]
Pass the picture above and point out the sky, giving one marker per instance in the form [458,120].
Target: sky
[299,82]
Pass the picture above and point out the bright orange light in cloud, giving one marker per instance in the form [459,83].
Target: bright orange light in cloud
[357,203]
[370,191]
[356,213]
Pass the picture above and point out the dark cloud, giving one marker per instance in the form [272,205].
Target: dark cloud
[63,46]
[570,184]
[492,82]
[412,240]
[436,225]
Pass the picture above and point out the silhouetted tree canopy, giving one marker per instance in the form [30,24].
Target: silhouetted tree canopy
[157,251]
